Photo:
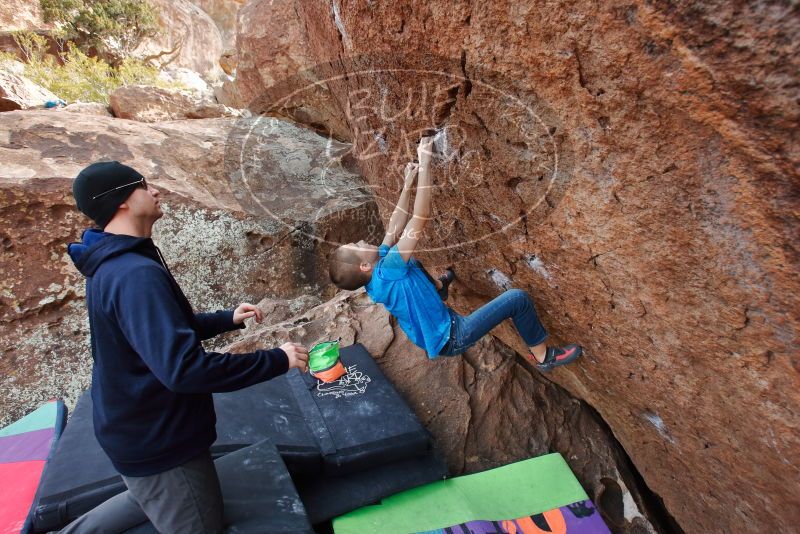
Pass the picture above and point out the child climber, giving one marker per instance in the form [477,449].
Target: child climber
[393,277]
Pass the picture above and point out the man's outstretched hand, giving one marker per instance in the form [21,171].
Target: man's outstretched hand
[298,355]
[245,311]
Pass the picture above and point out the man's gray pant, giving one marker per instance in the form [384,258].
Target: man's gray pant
[185,499]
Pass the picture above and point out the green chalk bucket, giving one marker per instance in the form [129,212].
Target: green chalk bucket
[324,362]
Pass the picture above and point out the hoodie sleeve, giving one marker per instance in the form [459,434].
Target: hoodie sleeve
[157,328]
[215,323]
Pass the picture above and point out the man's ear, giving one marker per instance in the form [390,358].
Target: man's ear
[365,266]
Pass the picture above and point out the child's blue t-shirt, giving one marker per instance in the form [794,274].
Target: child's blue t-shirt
[408,295]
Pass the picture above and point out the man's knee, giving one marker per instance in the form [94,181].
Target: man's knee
[520,296]
[195,498]
[117,514]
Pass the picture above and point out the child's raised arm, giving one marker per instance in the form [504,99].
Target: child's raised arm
[400,214]
[422,202]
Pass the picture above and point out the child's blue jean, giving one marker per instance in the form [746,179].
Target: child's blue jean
[516,304]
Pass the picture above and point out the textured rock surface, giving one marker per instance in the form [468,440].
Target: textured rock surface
[87,108]
[275,311]
[228,61]
[20,15]
[272,53]
[12,66]
[223,13]
[223,247]
[189,38]
[18,92]
[153,104]
[227,93]
[643,188]
[484,409]
[188,80]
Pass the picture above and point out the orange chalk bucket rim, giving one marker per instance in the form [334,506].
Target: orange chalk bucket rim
[331,374]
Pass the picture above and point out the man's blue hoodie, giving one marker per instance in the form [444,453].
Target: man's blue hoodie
[152,381]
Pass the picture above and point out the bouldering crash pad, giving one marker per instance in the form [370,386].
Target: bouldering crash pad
[25,446]
[536,496]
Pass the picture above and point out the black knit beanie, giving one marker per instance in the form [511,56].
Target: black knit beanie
[99,178]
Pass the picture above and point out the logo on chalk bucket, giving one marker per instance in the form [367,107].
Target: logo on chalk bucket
[501,158]
[353,383]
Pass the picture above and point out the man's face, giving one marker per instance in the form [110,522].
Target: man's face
[145,203]
[366,253]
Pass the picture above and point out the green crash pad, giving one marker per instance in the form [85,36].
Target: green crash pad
[539,485]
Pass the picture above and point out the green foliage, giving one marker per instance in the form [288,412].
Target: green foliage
[7,56]
[32,45]
[78,76]
[110,28]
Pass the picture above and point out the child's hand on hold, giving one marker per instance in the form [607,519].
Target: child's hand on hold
[410,174]
[425,151]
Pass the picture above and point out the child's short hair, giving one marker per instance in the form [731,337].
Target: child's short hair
[343,268]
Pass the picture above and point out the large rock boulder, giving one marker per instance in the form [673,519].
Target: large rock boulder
[484,409]
[272,72]
[153,104]
[18,92]
[228,236]
[634,166]
[223,13]
[189,38]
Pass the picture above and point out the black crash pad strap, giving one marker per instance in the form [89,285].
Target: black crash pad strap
[308,407]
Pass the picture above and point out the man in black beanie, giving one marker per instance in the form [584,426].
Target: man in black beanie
[152,380]
[101,187]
